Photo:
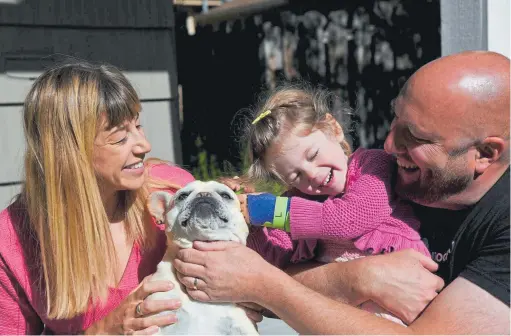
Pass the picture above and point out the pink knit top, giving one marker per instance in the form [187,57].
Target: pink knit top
[367,219]
[22,298]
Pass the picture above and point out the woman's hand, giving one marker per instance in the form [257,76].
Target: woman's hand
[225,271]
[127,319]
[402,282]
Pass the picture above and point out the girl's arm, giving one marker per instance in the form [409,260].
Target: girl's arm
[365,206]
[275,246]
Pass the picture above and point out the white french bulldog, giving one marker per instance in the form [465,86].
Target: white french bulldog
[204,211]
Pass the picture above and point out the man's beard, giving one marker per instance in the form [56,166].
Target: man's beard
[438,185]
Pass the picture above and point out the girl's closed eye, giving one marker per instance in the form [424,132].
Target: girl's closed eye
[314,155]
[294,178]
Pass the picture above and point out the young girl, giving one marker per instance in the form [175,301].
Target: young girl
[295,140]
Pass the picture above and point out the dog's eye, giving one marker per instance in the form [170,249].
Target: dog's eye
[225,195]
[182,196]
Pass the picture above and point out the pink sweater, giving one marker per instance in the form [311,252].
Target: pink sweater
[368,214]
[22,302]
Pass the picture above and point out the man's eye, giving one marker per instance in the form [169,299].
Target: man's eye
[417,140]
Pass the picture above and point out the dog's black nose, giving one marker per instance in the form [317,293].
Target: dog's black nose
[203,194]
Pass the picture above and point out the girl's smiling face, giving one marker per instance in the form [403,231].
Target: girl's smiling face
[314,163]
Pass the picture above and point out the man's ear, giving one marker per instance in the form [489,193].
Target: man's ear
[159,204]
[489,151]
[335,126]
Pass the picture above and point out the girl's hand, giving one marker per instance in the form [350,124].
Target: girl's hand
[244,207]
[126,319]
[225,272]
[237,184]
[254,312]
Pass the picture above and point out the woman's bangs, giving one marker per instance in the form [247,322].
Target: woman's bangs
[121,105]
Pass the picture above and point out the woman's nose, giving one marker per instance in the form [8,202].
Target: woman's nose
[142,146]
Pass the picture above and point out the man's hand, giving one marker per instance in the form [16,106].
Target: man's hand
[226,271]
[402,282]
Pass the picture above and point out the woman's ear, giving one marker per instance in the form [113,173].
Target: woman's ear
[335,126]
[488,152]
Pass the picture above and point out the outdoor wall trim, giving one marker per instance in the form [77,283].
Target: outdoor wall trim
[464,25]
[231,10]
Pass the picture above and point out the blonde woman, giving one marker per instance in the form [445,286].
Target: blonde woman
[78,244]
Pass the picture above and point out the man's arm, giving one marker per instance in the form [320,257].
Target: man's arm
[338,281]
[401,282]
[462,308]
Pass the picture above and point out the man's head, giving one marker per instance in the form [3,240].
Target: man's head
[450,133]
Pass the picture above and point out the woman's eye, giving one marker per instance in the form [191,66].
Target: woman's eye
[139,127]
[315,155]
[182,196]
[225,195]
[122,141]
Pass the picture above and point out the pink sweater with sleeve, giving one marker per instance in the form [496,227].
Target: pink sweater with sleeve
[367,214]
[22,298]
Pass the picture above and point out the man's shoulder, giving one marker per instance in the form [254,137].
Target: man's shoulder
[497,197]
[491,213]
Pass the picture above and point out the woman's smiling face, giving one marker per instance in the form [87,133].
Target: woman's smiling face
[118,156]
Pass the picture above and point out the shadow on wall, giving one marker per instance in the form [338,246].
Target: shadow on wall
[363,50]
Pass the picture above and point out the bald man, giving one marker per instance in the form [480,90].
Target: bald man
[450,137]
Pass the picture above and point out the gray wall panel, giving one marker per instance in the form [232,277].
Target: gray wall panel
[463,25]
[87,13]
[12,144]
[7,194]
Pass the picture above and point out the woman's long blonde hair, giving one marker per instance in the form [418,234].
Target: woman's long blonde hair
[62,114]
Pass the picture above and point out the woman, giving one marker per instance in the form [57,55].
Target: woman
[78,244]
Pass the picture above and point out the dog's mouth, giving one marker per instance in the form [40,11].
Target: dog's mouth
[204,209]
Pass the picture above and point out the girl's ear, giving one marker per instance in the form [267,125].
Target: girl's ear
[335,126]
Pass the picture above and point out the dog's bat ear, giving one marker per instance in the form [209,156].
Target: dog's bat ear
[159,205]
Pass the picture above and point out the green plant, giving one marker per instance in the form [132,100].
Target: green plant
[207,168]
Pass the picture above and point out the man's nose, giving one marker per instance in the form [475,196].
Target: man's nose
[393,144]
